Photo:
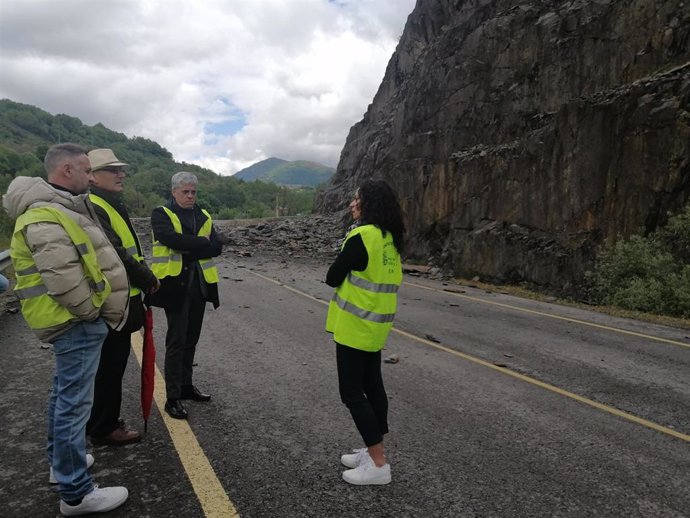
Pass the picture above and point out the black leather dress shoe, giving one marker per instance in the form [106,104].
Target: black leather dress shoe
[193,393]
[175,409]
[118,437]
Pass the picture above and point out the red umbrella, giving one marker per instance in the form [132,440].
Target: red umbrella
[148,367]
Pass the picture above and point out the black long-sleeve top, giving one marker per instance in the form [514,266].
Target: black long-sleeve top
[353,256]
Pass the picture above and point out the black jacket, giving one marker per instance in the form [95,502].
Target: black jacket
[174,289]
[139,274]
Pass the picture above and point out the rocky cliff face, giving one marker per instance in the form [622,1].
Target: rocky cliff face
[521,136]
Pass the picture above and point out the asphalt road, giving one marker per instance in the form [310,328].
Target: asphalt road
[499,407]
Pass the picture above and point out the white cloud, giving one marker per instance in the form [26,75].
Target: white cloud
[298,73]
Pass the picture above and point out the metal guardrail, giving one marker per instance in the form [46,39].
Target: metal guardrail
[5,260]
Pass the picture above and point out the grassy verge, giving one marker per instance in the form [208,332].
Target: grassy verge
[517,291]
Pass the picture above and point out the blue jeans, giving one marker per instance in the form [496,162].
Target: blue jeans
[77,352]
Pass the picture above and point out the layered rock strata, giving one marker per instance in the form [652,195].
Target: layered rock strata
[521,137]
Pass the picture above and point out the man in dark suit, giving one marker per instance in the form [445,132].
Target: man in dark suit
[184,245]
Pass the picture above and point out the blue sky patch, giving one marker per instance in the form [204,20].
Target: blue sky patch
[226,127]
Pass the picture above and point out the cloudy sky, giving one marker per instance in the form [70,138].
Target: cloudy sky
[219,83]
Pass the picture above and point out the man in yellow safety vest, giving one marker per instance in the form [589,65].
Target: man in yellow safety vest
[72,286]
[105,427]
[184,245]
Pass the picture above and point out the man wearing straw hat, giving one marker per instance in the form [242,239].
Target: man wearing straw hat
[105,426]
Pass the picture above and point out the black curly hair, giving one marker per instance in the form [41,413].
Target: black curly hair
[379,206]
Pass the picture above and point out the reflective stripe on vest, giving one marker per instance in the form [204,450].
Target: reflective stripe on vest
[130,241]
[167,262]
[362,313]
[372,286]
[363,307]
[39,308]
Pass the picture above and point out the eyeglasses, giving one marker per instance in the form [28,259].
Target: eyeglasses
[114,170]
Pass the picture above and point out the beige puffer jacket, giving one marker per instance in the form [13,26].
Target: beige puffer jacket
[50,243]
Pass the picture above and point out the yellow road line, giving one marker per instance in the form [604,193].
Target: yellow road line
[505,370]
[550,315]
[213,499]
[551,388]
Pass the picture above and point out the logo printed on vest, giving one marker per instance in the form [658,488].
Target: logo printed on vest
[390,255]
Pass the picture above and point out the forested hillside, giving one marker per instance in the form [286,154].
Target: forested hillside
[26,132]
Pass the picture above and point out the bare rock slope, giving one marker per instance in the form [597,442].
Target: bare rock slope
[522,136]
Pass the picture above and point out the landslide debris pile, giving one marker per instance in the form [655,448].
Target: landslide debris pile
[313,237]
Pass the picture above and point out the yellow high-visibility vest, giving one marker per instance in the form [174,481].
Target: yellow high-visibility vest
[130,241]
[362,310]
[39,308]
[167,262]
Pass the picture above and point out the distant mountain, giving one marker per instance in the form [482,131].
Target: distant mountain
[282,172]
[259,170]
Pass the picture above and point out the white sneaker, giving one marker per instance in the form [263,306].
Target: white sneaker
[354,459]
[89,463]
[367,473]
[100,500]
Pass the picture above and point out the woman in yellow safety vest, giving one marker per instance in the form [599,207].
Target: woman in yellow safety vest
[366,276]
